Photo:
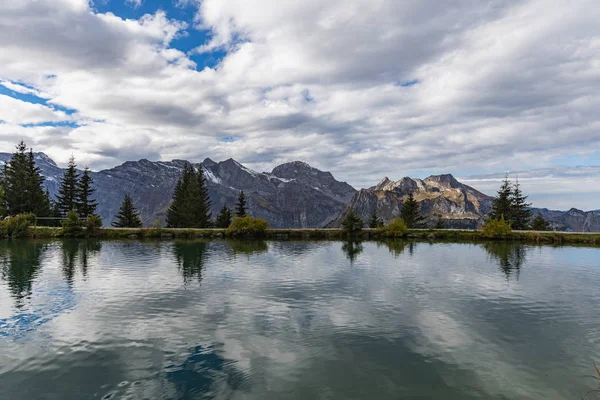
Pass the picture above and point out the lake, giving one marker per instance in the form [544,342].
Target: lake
[297,320]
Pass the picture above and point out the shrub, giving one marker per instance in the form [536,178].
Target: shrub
[497,229]
[92,225]
[395,229]
[352,224]
[247,226]
[72,226]
[16,226]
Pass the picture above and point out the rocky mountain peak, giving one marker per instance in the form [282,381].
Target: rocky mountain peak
[382,183]
[445,180]
[294,169]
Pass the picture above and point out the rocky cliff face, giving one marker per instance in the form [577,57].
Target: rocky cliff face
[459,205]
[293,195]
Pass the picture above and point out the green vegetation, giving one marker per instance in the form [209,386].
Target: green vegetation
[240,206]
[540,224]
[128,216]
[66,200]
[352,224]
[191,205]
[410,213]
[21,184]
[16,226]
[72,226]
[247,226]
[497,229]
[92,225]
[510,203]
[375,222]
[224,218]
[86,205]
[396,228]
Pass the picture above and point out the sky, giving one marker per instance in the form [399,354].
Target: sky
[361,88]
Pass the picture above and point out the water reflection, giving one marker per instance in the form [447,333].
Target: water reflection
[205,374]
[190,258]
[509,256]
[20,262]
[248,247]
[76,254]
[398,247]
[352,249]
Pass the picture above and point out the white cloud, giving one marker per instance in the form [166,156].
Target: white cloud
[134,3]
[508,85]
[21,112]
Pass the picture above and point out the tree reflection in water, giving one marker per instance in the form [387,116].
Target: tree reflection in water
[352,249]
[190,257]
[510,256]
[398,247]
[20,263]
[248,247]
[76,253]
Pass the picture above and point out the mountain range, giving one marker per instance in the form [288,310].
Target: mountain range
[296,195]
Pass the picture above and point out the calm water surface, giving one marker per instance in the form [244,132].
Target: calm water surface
[297,320]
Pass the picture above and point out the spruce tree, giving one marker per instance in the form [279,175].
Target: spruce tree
[224,218]
[22,184]
[128,216]
[375,221]
[178,214]
[240,206]
[352,223]
[503,204]
[191,204]
[202,202]
[38,198]
[540,224]
[86,205]
[520,212]
[410,212]
[67,193]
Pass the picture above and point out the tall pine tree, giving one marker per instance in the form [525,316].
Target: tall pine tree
[540,224]
[410,213]
[224,218]
[86,205]
[240,206]
[520,213]
[191,205]
[375,221]
[202,201]
[22,185]
[67,193]
[503,204]
[128,216]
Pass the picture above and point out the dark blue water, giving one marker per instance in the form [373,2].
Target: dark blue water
[297,320]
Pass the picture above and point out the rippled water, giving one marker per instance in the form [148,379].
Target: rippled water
[297,320]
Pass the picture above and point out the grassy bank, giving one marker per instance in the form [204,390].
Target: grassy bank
[334,234]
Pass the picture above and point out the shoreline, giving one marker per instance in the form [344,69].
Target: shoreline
[536,237]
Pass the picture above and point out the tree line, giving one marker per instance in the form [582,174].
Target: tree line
[22,189]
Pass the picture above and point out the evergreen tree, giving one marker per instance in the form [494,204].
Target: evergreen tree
[179,213]
[240,206]
[520,212]
[191,205]
[439,223]
[352,223]
[540,224]
[224,218]
[375,221]
[202,202]
[503,204]
[410,212]
[22,184]
[128,216]
[38,198]
[67,193]
[86,205]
